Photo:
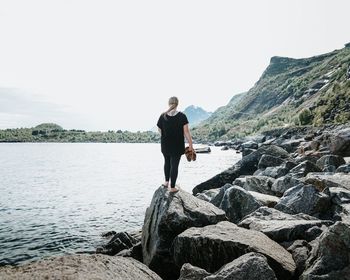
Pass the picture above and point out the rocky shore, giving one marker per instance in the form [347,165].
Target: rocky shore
[281,212]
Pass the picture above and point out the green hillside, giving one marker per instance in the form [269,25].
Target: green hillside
[290,92]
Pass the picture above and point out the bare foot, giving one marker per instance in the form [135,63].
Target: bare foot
[173,190]
[165,185]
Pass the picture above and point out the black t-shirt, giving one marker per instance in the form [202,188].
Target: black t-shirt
[172,136]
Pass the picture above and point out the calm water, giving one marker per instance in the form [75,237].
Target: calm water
[59,198]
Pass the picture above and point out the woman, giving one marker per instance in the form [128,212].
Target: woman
[173,126]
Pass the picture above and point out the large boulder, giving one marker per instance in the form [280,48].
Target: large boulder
[246,166]
[282,184]
[330,258]
[261,184]
[168,215]
[268,161]
[250,266]
[332,160]
[280,226]
[265,199]
[303,168]
[238,203]
[213,246]
[304,199]
[322,180]
[340,143]
[81,266]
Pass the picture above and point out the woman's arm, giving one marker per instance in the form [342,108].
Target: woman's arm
[160,131]
[188,136]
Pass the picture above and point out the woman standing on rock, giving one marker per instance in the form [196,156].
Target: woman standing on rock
[173,126]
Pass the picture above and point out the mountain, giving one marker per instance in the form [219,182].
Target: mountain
[196,114]
[290,92]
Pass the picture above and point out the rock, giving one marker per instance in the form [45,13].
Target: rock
[250,266]
[330,160]
[304,199]
[208,195]
[81,266]
[282,184]
[300,251]
[224,148]
[329,259]
[273,172]
[302,169]
[329,168]
[343,168]
[265,199]
[237,203]
[340,143]
[134,252]
[247,151]
[280,226]
[339,195]
[239,181]
[216,200]
[190,272]
[168,215]
[261,184]
[310,157]
[213,246]
[250,145]
[120,241]
[246,166]
[291,145]
[269,161]
[322,180]
[219,180]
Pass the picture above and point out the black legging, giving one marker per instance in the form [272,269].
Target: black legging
[171,165]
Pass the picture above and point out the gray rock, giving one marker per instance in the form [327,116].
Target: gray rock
[265,199]
[120,241]
[246,166]
[280,226]
[247,151]
[304,199]
[300,251]
[190,272]
[343,168]
[282,184]
[238,203]
[340,143]
[208,195]
[329,168]
[303,168]
[80,266]
[213,246]
[250,266]
[168,215]
[339,195]
[330,160]
[216,200]
[273,172]
[269,161]
[329,259]
[239,181]
[323,181]
[261,184]
[250,145]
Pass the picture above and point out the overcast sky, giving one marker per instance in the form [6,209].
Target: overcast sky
[100,65]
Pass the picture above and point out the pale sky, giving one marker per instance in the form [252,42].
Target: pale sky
[100,65]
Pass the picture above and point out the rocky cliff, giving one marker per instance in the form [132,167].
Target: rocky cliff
[290,92]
